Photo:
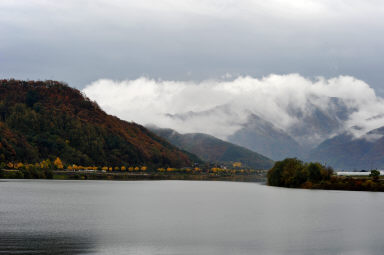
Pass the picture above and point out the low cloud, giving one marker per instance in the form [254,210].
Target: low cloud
[221,107]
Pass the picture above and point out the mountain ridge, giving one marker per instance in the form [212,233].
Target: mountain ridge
[212,149]
[344,151]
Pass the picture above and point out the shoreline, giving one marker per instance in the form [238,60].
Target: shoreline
[127,176]
[343,183]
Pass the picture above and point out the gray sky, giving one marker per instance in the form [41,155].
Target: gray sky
[81,41]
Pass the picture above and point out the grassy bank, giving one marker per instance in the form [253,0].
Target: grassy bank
[356,183]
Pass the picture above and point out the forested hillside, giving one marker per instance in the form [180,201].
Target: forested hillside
[47,119]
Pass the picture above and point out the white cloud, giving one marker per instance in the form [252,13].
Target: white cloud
[220,107]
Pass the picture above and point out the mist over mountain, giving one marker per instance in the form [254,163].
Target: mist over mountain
[277,115]
[318,123]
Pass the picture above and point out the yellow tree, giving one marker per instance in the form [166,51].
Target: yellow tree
[123,168]
[19,165]
[237,164]
[44,164]
[143,168]
[58,164]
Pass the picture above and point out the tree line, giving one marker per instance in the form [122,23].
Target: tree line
[294,173]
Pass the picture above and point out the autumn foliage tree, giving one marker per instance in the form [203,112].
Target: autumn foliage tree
[58,164]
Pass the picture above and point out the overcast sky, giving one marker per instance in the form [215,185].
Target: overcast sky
[81,41]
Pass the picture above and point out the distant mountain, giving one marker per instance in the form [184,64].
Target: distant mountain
[212,149]
[315,124]
[40,120]
[261,136]
[346,152]
[309,124]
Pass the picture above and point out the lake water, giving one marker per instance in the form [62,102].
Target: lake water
[185,217]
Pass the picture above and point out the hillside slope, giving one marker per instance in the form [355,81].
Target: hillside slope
[214,150]
[40,120]
[346,152]
[261,136]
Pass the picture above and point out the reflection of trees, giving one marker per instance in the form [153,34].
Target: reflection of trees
[45,243]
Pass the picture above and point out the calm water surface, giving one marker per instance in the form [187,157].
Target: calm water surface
[185,217]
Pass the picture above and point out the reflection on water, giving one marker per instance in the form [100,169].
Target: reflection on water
[185,217]
[44,243]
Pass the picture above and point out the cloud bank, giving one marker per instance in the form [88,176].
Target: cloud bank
[221,107]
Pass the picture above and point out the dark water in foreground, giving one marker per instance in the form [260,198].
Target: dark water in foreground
[185,217]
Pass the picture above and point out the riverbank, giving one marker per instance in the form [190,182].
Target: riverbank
[352,183]
[258,176]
